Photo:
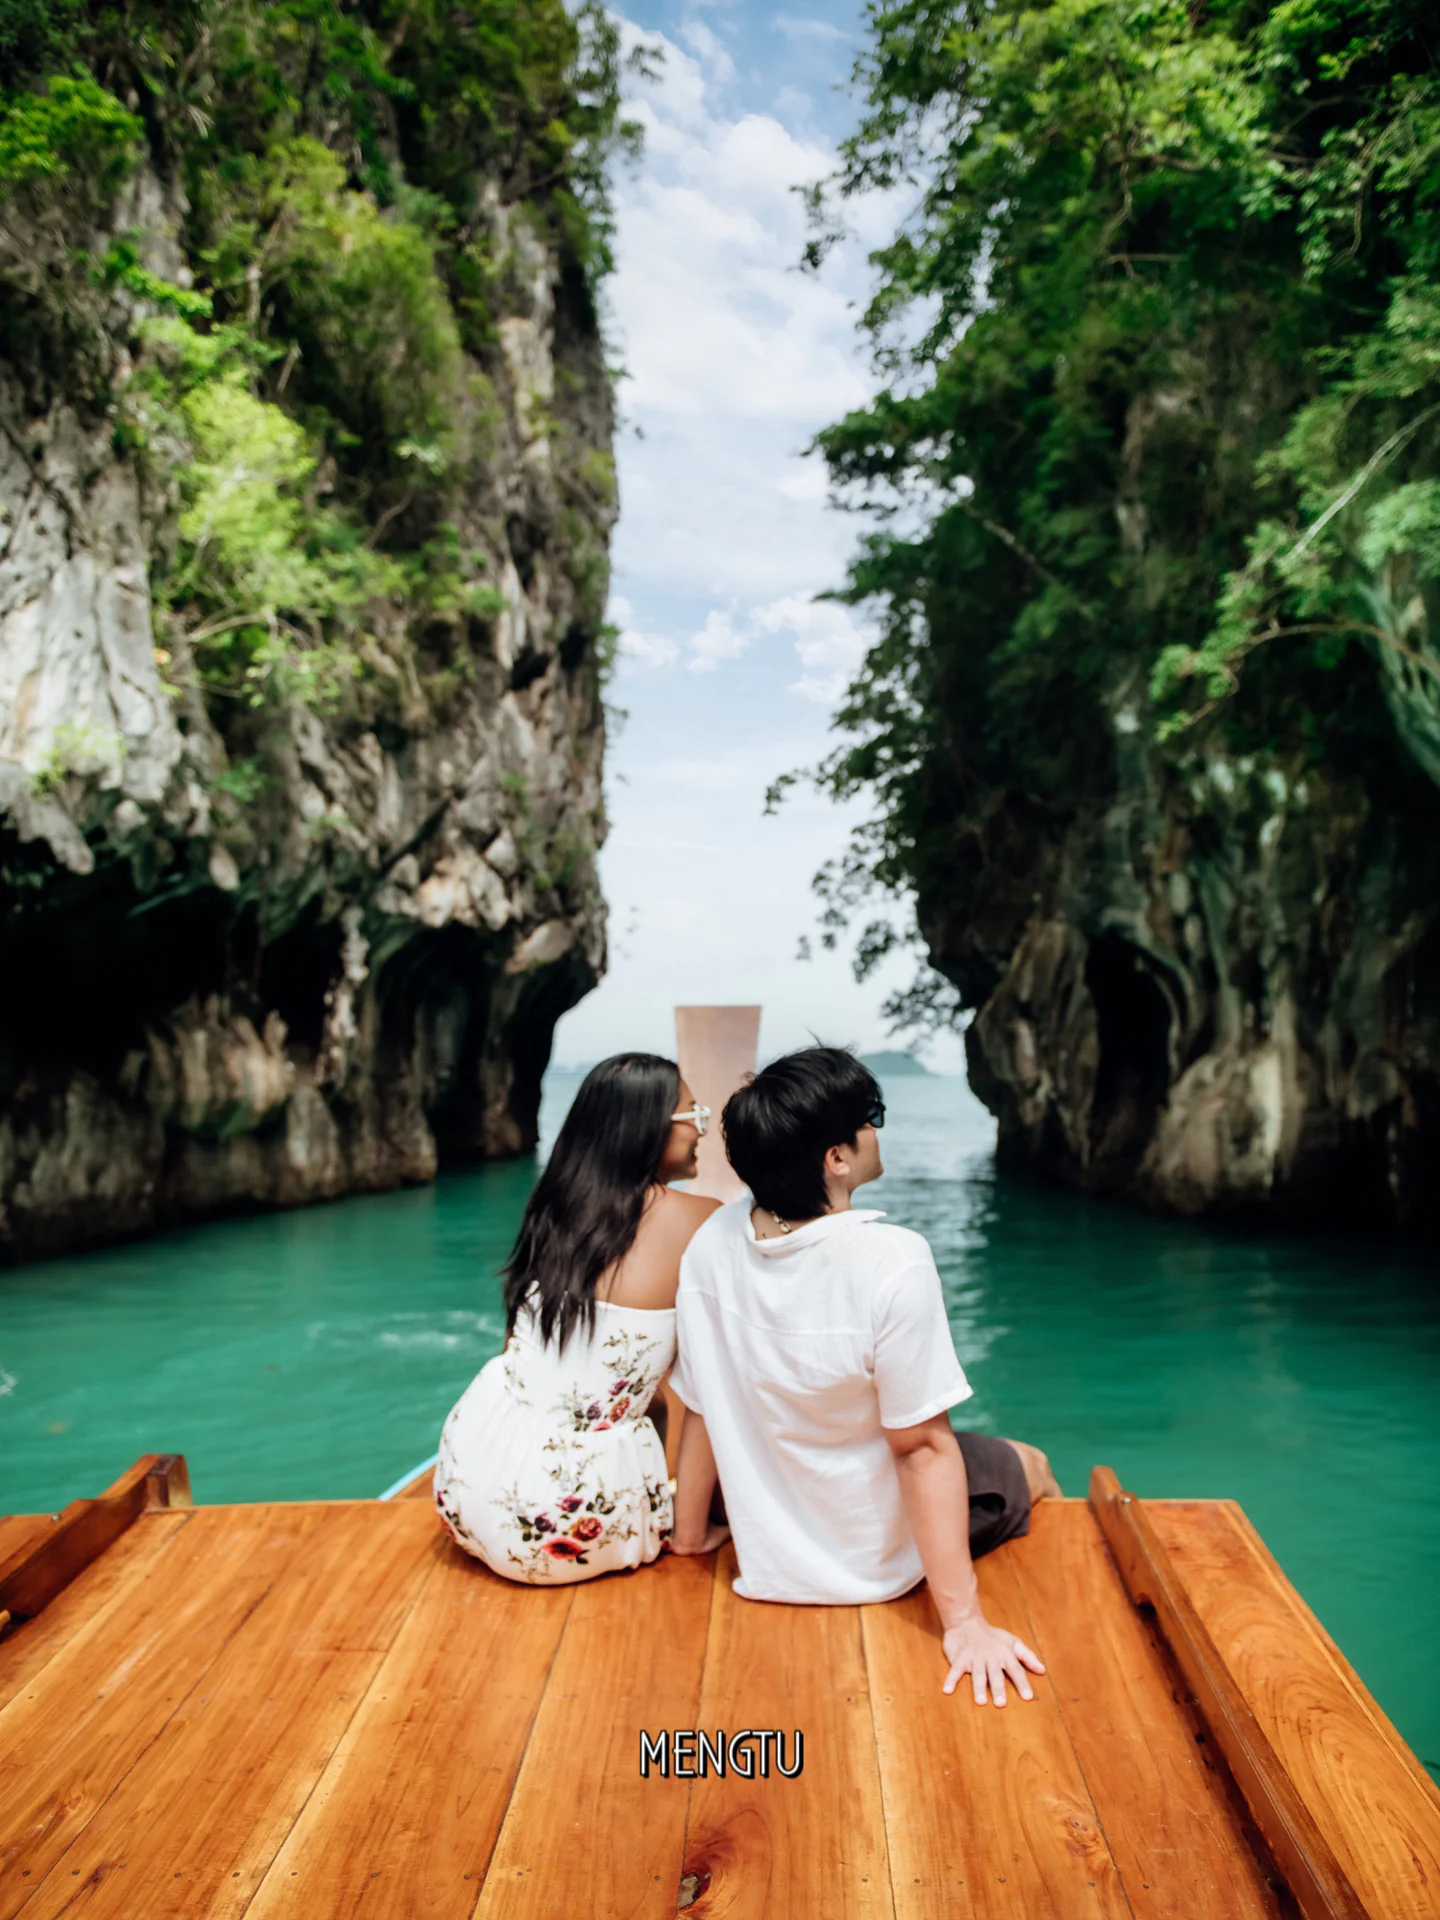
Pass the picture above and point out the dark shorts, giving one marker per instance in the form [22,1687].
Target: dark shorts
[999,1492]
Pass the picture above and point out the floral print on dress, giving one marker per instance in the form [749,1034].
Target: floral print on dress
[526,1480]
[633,1356]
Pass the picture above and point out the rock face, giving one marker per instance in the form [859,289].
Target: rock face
[222,992]
[1211,984]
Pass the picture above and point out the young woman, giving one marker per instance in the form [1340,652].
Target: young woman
[552,1468]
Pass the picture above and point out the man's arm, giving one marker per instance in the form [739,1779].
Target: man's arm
[695,1478]
[936,1492]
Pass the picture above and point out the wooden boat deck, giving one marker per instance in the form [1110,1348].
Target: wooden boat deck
[327,1709]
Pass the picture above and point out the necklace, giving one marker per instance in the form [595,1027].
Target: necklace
[784,1225]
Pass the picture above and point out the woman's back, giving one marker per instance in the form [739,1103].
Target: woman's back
[550,1470]
[649,1273]
[548,1467]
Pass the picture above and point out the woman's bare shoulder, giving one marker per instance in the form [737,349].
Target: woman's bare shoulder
[687,1210]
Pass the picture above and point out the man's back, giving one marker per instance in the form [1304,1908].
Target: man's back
[798,1351]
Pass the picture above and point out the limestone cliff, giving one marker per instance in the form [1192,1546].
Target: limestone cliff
[1210,984]
[1150,723]
[263,947]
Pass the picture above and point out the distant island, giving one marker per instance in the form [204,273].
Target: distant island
[888,1065]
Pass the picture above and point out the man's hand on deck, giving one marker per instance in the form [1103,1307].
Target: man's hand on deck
[990,1656]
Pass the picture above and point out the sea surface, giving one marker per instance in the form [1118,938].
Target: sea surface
[314,1354]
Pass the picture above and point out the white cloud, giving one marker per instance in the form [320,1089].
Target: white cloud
[717,640]
[649,649]
[828,639]
[737,360]
[706,42]
[709,900]
[679,92]
[829,643]
[804,480]
[806,27]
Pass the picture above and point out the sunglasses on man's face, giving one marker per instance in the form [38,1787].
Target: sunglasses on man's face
[876,1115]
[698,1116]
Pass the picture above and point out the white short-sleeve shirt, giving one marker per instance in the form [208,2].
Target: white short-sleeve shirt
[798,1351]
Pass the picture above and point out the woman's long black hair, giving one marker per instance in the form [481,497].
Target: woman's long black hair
[585,1211]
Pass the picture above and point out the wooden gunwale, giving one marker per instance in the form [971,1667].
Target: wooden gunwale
[1319,1883]
[45,1564]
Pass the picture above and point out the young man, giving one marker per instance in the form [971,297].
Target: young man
[818,1367]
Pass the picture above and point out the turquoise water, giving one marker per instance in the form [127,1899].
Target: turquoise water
[314,1354]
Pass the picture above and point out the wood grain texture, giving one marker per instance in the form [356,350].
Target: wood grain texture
[74,1732]
[585,1833]
[404,1818]
[1302,1850]
[244,1748]
[20,1532]
[1376,1804]
[766,1847]
[82,1610]
[987,1808]
[1171,1818]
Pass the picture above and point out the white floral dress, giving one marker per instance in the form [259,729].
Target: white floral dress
[549,1471]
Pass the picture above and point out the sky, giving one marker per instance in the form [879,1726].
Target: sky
[729,671]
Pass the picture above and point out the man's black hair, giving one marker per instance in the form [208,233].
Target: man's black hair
[779,1127]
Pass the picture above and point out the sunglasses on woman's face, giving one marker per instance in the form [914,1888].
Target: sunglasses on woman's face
[698,1116]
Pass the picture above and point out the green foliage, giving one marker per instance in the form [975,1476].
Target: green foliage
[269,589]
[64,152]
[596,473]
[355,289]
[1158,389]
[74,126]
[587,565]
[243,781]
[35,33]
[314,386]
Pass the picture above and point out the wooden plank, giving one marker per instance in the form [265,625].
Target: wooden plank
[242,1752]
[1376,1803]
[36,1571]
[1175,1826]
[84,1607]
[70,1736]
[585,1833]
[1302,1851]
[403,1820]
[775,1846]
[987,1808]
